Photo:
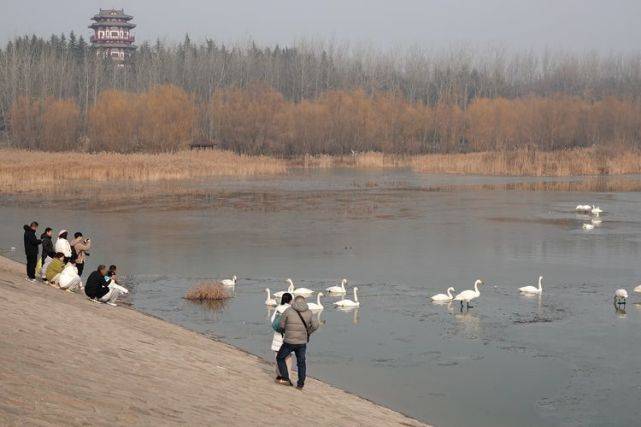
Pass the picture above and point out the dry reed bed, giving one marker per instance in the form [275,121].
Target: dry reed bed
[207,291]
[22,170]
[574,162]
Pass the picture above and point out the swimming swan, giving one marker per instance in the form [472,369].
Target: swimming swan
[584,208]
[620,296]
[443,297]
[290,289]
[638,289]
[299,292]
[596,211]
[229,282]
[270,301]
[588,227]
[338,289]
[532,289]
[316,306]
[348,302]
[468,295]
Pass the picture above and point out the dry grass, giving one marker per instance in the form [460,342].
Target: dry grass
[207,291]
[367,160]
[36,172]
[22,170]
[575,162]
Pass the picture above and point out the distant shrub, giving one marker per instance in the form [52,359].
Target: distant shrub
[207,291]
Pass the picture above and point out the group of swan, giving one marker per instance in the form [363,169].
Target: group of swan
[595,211]
[463,297]
[470,294]
[587,209]
[304,292]
[317,306]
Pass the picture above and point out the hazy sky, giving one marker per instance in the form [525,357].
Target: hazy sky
[603,25]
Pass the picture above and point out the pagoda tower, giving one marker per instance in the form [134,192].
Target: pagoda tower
[112,34]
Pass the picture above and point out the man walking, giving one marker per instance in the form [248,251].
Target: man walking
[298,323]
[31,243]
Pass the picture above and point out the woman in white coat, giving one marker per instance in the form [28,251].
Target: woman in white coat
[62,245]
[69,278]
[277,341]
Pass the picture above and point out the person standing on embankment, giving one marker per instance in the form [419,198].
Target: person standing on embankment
[298,323]
[47,245]
[31,243]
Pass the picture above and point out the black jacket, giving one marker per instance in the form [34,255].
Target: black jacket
[47,247]
[96,286]
[31,242]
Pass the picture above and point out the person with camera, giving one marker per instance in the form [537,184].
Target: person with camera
[79,248]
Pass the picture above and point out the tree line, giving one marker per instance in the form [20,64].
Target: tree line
[258,119]
[58,94]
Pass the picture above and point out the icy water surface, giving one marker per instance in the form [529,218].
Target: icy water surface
[567,358]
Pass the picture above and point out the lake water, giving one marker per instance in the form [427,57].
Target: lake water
[567,359]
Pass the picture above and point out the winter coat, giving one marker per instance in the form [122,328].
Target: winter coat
[277,341]
[47,247]
[291,322]
[69,273]
[55,267]
[96,286]
[80,246]
[63,246]
[31,242]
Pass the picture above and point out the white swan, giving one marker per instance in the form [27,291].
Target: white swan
[620,296]
[338,289]
[532,289]
[348,302]
[584,208]
[638,289]
[299,292]
[596,222]
[316,306]
[229,282]
[290,289]
[270,301]
[596,211]
[588,227]
[468,295]
[443,297]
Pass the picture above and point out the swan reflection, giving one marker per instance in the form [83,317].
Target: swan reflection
[353,310]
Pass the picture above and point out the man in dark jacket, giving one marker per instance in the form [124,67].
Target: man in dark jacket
[96,286]
[299,323]
[31,243]
[47,244]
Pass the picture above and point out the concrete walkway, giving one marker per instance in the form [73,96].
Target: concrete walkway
[67,360]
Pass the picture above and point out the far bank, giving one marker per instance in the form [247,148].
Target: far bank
[37,172]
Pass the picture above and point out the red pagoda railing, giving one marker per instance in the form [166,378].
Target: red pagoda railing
[128,39]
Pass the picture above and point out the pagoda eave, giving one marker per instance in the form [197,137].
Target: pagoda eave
[101,24]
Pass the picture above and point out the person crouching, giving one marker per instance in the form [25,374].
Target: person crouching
[97,288]
[69,278]
[55,267]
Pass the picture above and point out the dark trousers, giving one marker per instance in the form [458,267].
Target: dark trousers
[299,350]
[32,260]
[81,268]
